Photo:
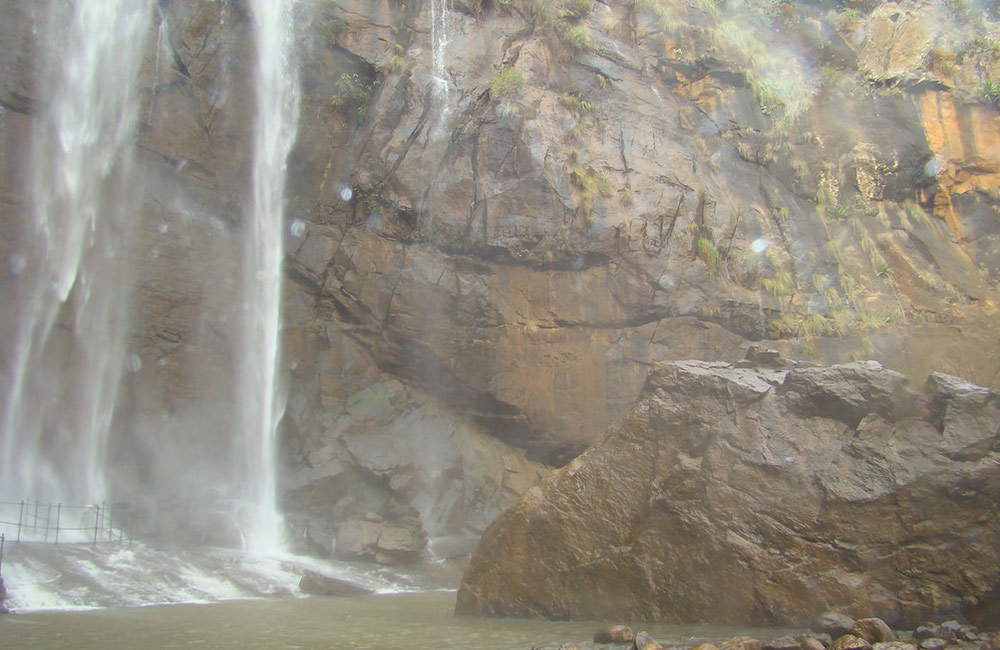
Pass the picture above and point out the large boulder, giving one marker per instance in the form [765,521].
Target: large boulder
[741,495]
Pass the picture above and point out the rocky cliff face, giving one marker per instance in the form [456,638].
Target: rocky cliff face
[745,494]
[502,213]
[583,189]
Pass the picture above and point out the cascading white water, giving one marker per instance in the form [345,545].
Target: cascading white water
[73,279]
[261,398]
[440,38]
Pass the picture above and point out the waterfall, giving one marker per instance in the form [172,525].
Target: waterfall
[440,37]
[260,395]
[73,276]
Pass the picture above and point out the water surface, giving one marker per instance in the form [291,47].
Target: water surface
[414,621]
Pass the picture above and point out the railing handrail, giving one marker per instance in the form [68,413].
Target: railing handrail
[90,506]
[39,526]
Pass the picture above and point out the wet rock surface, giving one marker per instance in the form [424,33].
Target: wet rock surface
[317,584]
[614,634]
[719,498]
[962,637]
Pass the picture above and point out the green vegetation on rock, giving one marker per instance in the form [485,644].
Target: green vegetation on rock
[706,251]
[505,83]
[352,92]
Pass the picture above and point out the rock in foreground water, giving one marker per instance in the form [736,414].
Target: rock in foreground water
[317,584]
[645,642]
[761,496]
[873,630]
[615,634]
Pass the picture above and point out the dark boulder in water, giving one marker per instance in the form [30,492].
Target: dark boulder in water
[317,584]
[615,634]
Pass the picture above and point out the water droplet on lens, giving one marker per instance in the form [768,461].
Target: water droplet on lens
[134,363]
[346,193]
[163,228]
[760,245]
[298,227]
[15,264]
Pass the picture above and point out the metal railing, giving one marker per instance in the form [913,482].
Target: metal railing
[35,521]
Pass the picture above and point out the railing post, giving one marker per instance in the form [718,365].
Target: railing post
[58,515]
[48,520]
[20,519]
[97,519]
[1,556]
[34,522]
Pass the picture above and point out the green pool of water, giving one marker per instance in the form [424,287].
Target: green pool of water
[414,621]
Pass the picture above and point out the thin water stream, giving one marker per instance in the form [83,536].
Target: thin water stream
[415,621]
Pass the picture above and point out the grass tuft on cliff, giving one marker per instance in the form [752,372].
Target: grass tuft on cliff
[505,83]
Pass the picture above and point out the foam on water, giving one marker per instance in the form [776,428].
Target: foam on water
[42,577]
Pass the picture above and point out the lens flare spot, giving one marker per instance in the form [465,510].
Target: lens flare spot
[15,264]
[759,245]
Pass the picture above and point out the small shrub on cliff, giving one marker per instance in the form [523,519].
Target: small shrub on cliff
[577,9]
[591,185]
[577,105]
[744,269]
[664,12]
[991,92]
[350,91]
[577,39]
[779,285]
[847,18]
[705,250]
[505,83]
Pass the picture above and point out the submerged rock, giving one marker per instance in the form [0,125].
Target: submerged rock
[645,642]
[812,643]
[933,643]
[834,623]
[317,584]
[783,643]
[615,634]
[873,630]
[741,643]
[893,645]
[850,642]
[749,496]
